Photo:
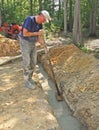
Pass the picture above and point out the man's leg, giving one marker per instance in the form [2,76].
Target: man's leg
[33,60]
[26,51]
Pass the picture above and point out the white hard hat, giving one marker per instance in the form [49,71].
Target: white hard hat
[46,15]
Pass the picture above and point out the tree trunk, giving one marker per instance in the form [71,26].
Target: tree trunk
[77,34]
[70,17]
[92,31]
[0,19]
[65,17]
[31,12]
[2,11]
[40,5]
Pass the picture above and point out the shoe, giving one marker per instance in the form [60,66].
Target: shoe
[31,81]
[30,85]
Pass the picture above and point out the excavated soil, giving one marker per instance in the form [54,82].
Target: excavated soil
[9,47]
[77,74]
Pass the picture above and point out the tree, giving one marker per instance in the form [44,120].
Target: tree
[66,14]
[77,34]
[65,17]
[0,19]
[70,16]
[2,11]
[92,29]
[31,7]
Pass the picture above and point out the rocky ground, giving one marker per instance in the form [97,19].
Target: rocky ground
[75,70]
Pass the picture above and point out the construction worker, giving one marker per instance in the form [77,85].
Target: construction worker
[32,32]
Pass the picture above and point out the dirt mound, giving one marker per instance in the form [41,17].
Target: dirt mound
[9,47]
[78,72]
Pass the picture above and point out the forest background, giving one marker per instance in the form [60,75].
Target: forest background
[76,19]
[75,16]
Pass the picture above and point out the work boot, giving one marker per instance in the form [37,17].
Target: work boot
[29,83]
[32,81]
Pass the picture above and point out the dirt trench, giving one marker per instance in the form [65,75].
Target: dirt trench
[78,74]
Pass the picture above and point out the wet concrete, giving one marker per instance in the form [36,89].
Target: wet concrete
[61,110]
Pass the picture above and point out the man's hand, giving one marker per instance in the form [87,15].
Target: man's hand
[40,33]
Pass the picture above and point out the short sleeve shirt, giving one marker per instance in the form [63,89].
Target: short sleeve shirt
[31,25]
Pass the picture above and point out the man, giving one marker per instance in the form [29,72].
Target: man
[31,33]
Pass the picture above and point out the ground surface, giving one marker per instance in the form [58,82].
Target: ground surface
[78,74]
[21,108]
[78,71]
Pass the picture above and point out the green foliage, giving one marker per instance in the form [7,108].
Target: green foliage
[56,26]
[78,44]
[85,13]
[85,49]
[18,10]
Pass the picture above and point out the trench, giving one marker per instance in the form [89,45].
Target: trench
[61,110]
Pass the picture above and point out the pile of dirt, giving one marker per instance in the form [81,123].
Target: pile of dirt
[9,47]
[78,72]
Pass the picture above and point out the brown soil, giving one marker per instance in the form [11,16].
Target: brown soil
[77,71]
[8,47]
[22,108]
[78,74]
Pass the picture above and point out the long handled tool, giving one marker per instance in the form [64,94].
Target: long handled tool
[59,95]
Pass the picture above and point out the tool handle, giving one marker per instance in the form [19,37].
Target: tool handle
[45,47]
[47,54]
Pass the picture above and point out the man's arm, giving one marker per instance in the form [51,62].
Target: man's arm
[26,33]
